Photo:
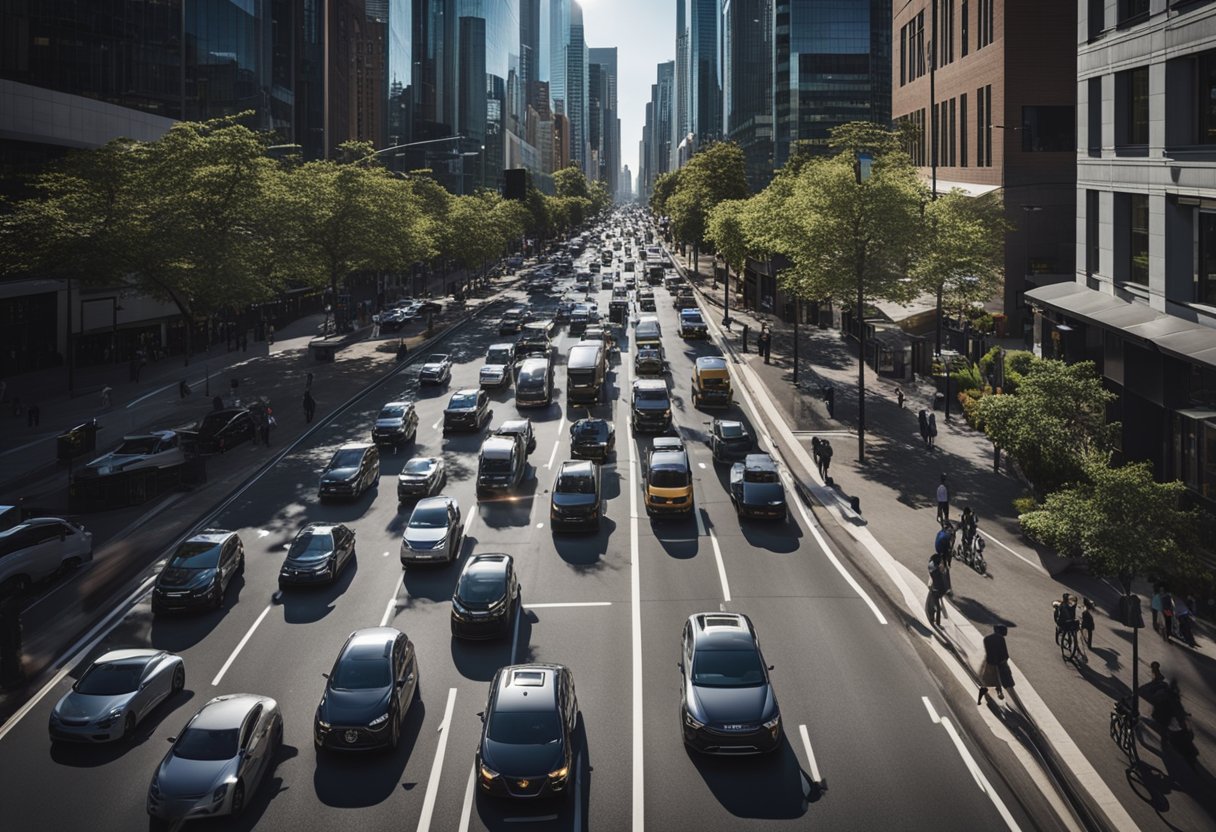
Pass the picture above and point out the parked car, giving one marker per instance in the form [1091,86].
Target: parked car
[198,573]
[39,547]
[756,490]
[436,370]
[319,552]
[467,410]
[219,759]
[592,439]
[138,452]
[434,532]
[576,501]
[521,428]
[396,424]
[486,597]
[223,429]
[354,469]
[368,692]
[729,440]
[119,689]
[421,476]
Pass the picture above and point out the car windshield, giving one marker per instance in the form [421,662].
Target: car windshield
[429,517]
[524,728]
[496,466]
[731,431]
[760,475]
[727,669]
[481,586]
[139,445]
[575,484]
[499,356]
[215,421]
[361,668]
[651,395]
[311,546]
[392,413]
[668,478]
[417,466]
[110,679]
[463,400]
[436,359]
[196,555]
[207,744]
[691,319]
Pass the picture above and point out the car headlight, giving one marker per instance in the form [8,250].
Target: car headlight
[667,413]
[773,723]
[499,604]
[154,786]
[439,544]
[691,722]
[218,794]
[560,774]
[323,725]
[378,721]
[488,773]
[110,718]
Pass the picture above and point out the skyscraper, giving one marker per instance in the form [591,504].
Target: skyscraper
[680,123]
[576,89]
[747,83]
[608,129]
[559,39]
[704,75]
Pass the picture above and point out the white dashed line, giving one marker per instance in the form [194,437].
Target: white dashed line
[557,443]
[240,646]
[390,610]
[570,604]
[432,785]
[810,755]
[713,540]
[467,811]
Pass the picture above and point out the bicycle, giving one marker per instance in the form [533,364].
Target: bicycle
[973,554]
[1067,638]
[1123,729]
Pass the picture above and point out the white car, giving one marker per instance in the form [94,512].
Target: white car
[436,370]
[118,690]
[500,358]
[158,449]
[38,548]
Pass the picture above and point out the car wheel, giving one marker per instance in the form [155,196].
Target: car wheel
[240,566]
[179,681]
[69,565]
[394,737]
[128,726]
[238,798]
[218,602]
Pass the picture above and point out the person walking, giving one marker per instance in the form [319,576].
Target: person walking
[183,389]
[264,426]
[1087,623]
[922,419]
[939,588]
[899,396]
[270,333]
[766,343]
[1167,615]
[995,672]
[943,501]
[1155,604]
[310,406]
[106,400]
[817,453]
[932,431]
[825,459]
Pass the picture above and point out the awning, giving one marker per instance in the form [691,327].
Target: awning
[969,188]
[1170,334]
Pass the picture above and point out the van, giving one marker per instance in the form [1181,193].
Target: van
[711,382]
[586,367]
[647,333]
[501,465]
[37,549]
[534,383]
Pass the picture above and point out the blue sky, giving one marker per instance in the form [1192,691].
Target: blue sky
[644,32]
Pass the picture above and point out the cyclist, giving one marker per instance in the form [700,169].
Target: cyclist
[969,525]
[1064,612]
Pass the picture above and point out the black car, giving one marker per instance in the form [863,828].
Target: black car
[592,439]
[501,466]
[534,384]
[648,361]
[527,735]
[223,429]
[756,490]
[487,593]
[354,469]
[421,477]
[729,440]
[651,406]
[396,424]
[467,410]
[319,552]
[728,702]
[368,692]
[576,502]
[199,572]
[521,428]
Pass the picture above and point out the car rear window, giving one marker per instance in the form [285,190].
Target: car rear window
[499,356]
[731,431]
[495,466]
[652,395]
[465,400]
[669,478]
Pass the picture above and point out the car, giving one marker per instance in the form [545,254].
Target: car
[527,735]
[486,597]
[499,366]
[711,385]
[594,266]
[668,481]
[685,299]
[576,501]
[672,282]
[630,281]
[650,407]
[512,320]
[592,439]
[434,532]
[38,548]
[729,440]
[421,476]
[648,361]
[437,369]
[219,759]
[521,428]
[501,465]
[319,552]
[534,338]
[756,490]
[728,705]
[368,692]
[605,281]
[138,452]
[534,384]
[692,325]
[223,429]
[468,409]
[396,424]
[354,468]
[563,310]
[199,572]
[118,690]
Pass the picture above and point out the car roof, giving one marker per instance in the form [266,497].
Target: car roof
[504,345]
[533,363]
[465,391]
[372,636]
[127,655]
[578,467]
[225,711]
[355,446]
[513,425]
[722,630]
[669,460]
[711,362]
[527,687]
[441,501]
[667,443]
[758,462]
[498,446]
[396,404]
[650,384]
[488,560]
[31,522]
[216,536]
[320,528]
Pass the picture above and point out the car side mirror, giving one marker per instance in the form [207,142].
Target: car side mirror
[324,675]
[481,715]
[171,739]
[771,667]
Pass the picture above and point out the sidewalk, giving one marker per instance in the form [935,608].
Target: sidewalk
[895,487]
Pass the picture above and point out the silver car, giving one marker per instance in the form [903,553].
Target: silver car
[434,532]
[117,691]
[219,760]
[39,547]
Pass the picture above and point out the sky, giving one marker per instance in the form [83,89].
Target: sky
[644,32]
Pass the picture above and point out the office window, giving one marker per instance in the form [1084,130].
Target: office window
[1205,97]
[986,26]
[945,31]
[1131,11]
[1096,19]
[1048,129]
[918,31]
[988,124]
[1094,139]
[964,31]
[903,55]
[962,130]
[979,127]
[953,131]
[1093,217]
[1134,89]
[1138,239]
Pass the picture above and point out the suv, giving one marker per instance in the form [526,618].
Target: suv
[37,549]
[651,406]
[668,479]
[592,439]
[501,465]
[368,692]
[692,325]
[711,382]
[521,428]
[729,440]
[500,361]
[466,410]
[486,595]
[576,500]
[199,572]
[396,424]
[534,383]
[354,469]
[756,490]
[511,321]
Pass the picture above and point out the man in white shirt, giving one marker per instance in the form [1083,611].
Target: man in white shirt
[943,501]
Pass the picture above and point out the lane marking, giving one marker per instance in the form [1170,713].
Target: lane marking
[968,760]
[241,646]
[467,811]
[386,554]
[570,604]
[702,464]
[390,611]
[558,443]
[635,629]
[468,524]
[437,424]
[432,785]
[713,539]
[1036,566]
[263,533]
[972,766]
[932,712]
[810,755]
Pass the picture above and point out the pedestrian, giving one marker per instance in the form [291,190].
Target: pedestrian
[1155,604]
[106,397]
[33,416]
[183,389]
[932,431]
[264,428]
[922,419]
[1184,616]
[939,588]
[943,544]
[1087,623]
[825,458]
[943,501]
[1167,615]
[308,381]
[310,406]
[217,403]
[270,333]
[768,343]
[994,672]
[899,396]
[816,452]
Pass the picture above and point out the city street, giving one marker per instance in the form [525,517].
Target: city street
[869,739]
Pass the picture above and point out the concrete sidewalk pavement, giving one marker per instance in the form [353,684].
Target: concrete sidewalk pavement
[1069,703]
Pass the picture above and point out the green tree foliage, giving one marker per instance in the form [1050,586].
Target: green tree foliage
[571,183]
[728,232]
[714,175]
[664,186]
[962,257]
[1125,524]
[1054,425]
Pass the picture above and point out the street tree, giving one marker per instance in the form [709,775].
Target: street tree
[727,231]
[664,186]
[714,175]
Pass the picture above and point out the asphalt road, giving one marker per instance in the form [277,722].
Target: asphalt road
[886,752]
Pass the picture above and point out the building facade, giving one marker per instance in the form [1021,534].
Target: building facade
[1141,302]
[680,118]
[605,125]
[576,90]
[704,72]
[747,84]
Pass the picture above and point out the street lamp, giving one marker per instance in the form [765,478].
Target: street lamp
[376,153]
[863,166]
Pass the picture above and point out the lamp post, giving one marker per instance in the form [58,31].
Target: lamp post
[862,168]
